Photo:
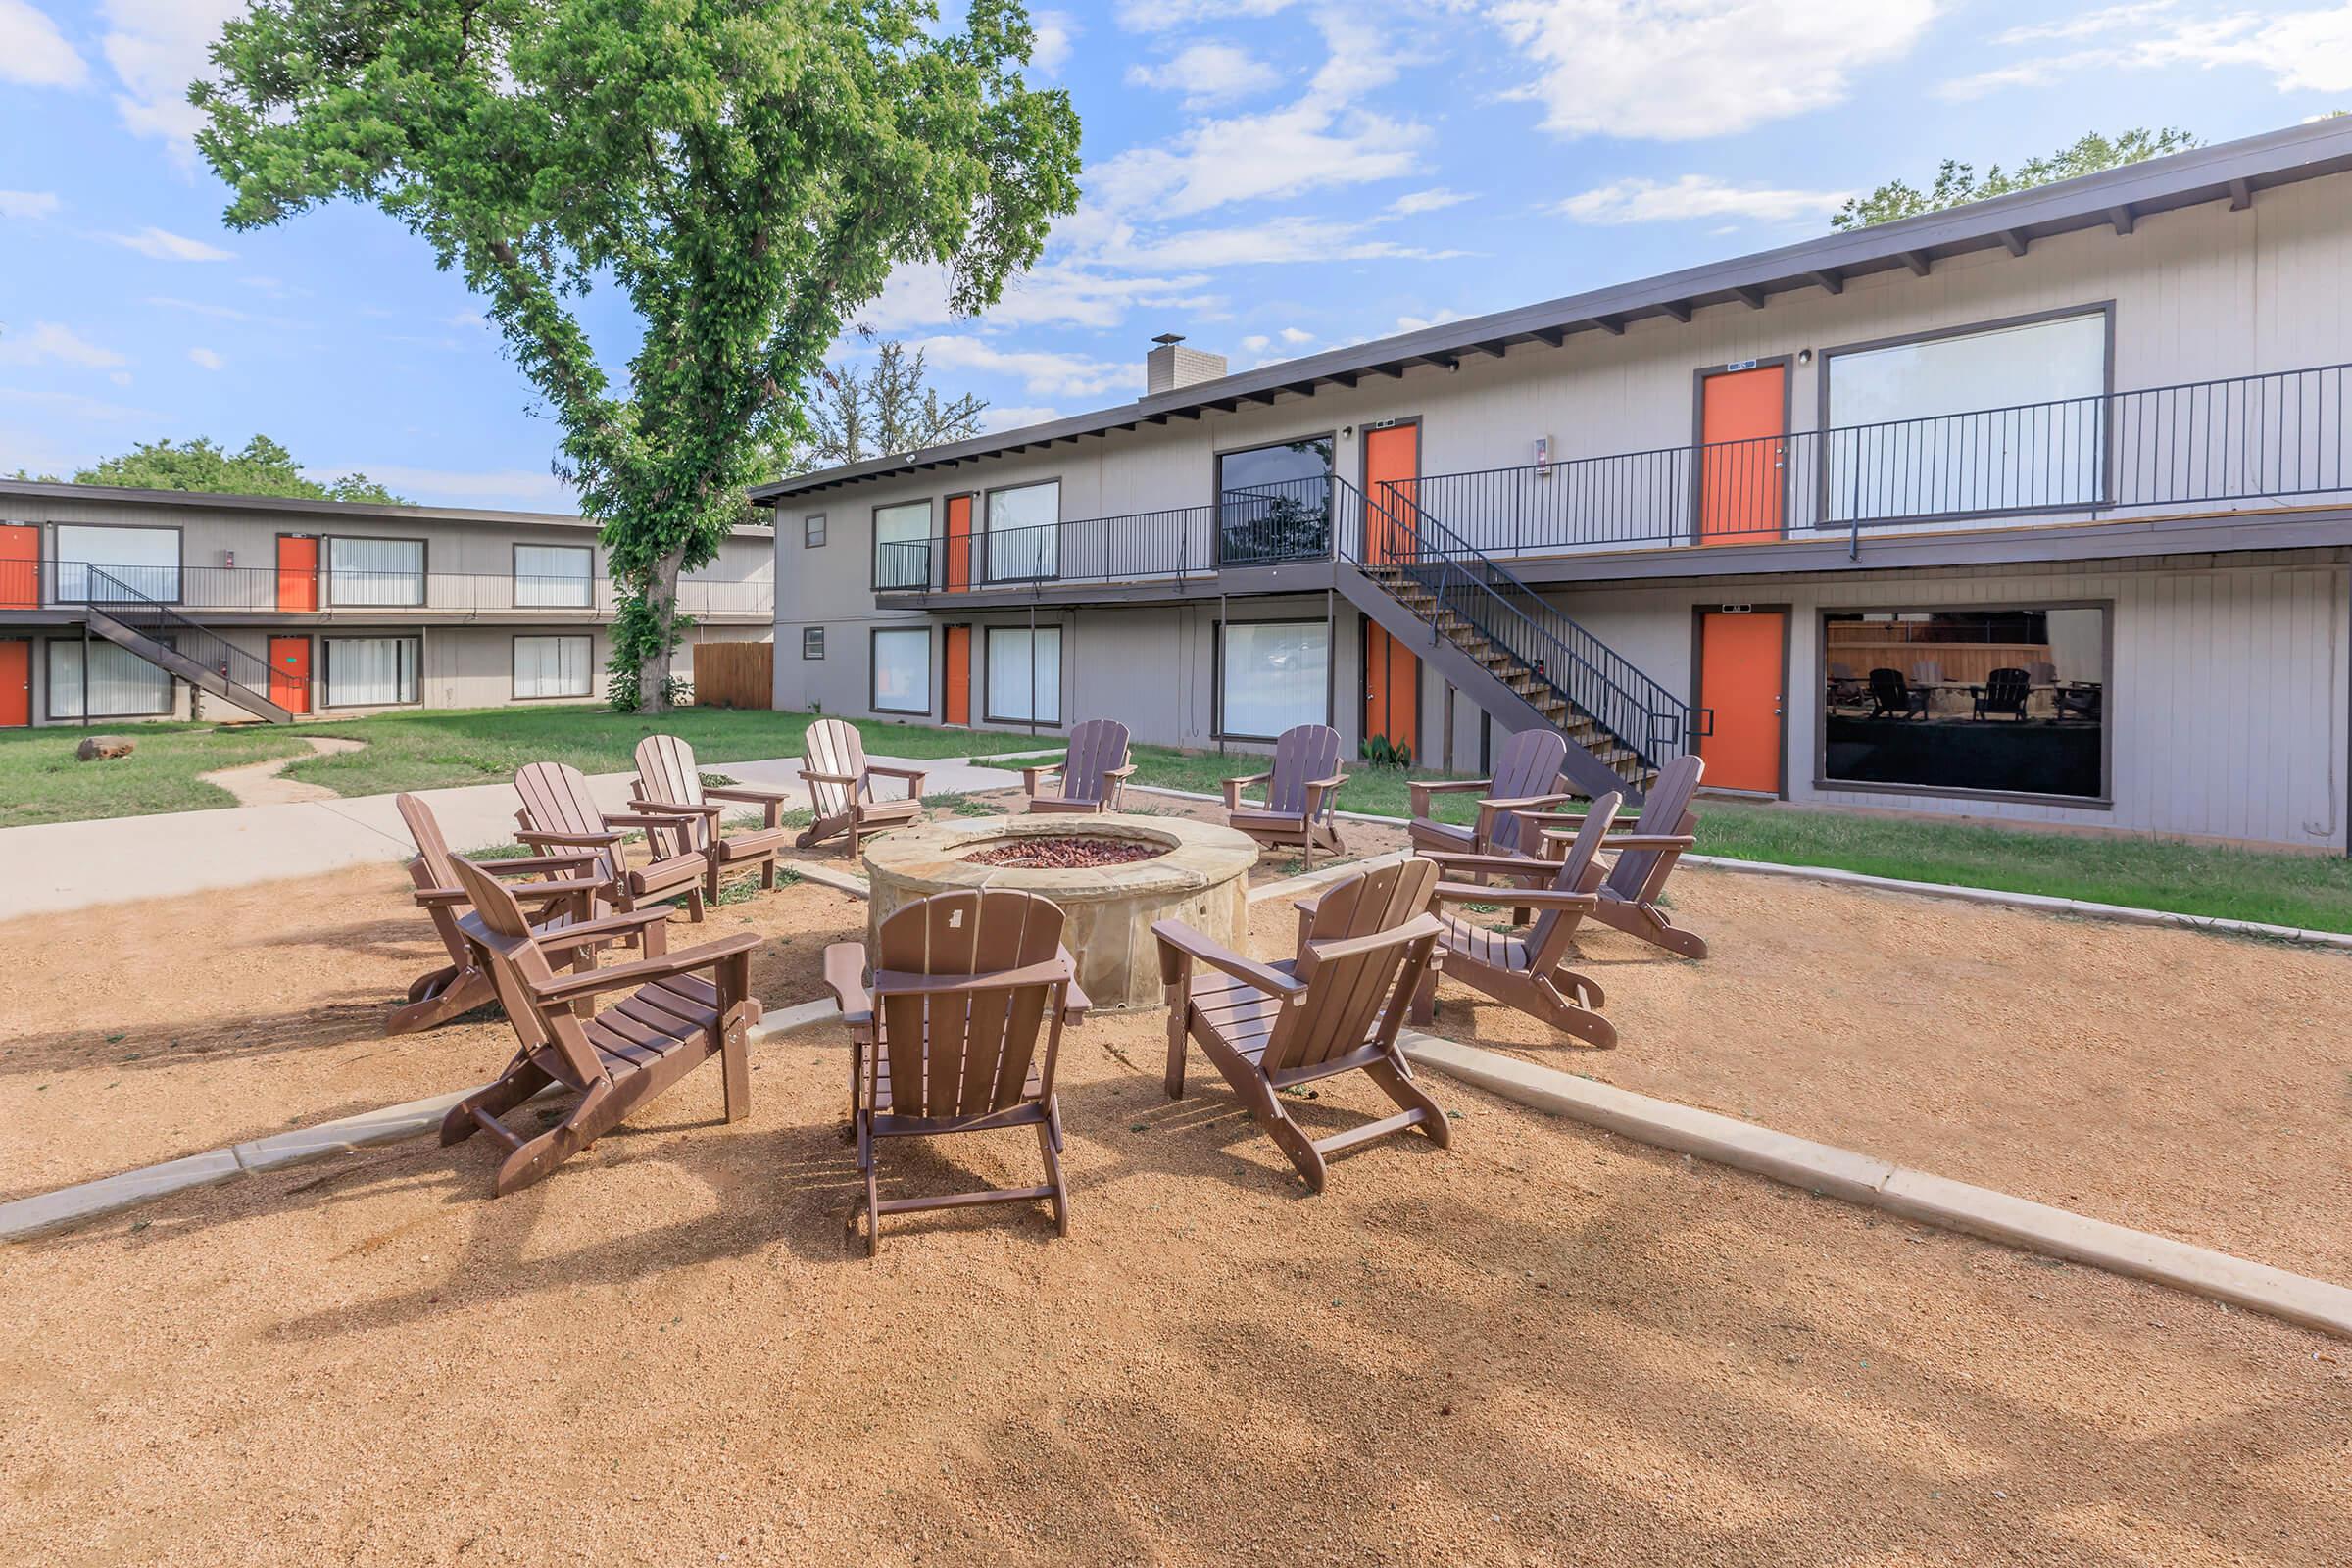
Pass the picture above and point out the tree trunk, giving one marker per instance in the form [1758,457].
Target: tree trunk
[662,599]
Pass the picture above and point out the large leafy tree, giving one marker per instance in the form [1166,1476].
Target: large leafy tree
[262,467]
[746,171]
[857,412]
[1957,183]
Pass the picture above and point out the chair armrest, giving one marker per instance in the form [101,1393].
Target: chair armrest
[1076,1004]
[1031,775]
[1121,772]
[1451,860]
[627,820]
[673,809]
[1176,936]
[845,977]
[610,926]
[1418,928]
[816,777]
[902,983]
[564,988]
[916,774]
[1650,840]
[1319,788]
[1489,810]
[1234,786]
[1521,898]
[750,794]
[594,840]
[444,898]
[522,865]
[1420,790]
[558,887]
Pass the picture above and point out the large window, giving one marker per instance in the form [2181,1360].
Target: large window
[142,561]
[2001,419]
[1274,502]
[1024,675]
[552,666]
[375,571]
[1024,532]
[1982,700]
[903,670]
[1272,675]
[903,545]
[555,577]
[120,684]
[371,672]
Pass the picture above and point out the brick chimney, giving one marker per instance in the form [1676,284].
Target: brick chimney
[1171,365]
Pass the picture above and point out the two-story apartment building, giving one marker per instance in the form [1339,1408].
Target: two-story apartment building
[119,604]
[2035,508]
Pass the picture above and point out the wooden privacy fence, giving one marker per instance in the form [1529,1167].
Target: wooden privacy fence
[734,674]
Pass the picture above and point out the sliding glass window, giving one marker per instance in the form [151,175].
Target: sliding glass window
[903,545]
[2008,702]
[1272,675]
[2006,418]
[130,560]
[1024,532]
[1274,502]
[903,670]
[375,571]
[371,672]
[1024,675]
[555,577]
[552,666]
[119,683]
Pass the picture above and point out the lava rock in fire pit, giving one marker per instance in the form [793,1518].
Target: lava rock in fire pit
[1068,853]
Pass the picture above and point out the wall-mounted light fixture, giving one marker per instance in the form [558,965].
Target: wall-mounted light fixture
[1804,356]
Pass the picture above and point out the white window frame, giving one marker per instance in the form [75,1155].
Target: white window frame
[587,663]
[414,659]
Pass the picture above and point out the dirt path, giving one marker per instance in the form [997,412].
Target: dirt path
[259,784]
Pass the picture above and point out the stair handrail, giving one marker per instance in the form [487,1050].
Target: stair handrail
[1612,690]
[239,668]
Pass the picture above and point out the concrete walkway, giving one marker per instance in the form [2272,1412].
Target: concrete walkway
[69,866]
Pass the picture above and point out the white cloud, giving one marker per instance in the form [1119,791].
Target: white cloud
[157,48]
[474,320]
[34,53]
[533,489]
[1277,239]
[1050,50]
[1650,201]
[1208,74]
[27,204]
[207,359]
[219,313]
[1042,373]
[998,416]
[72,405]
[118,377]
[1295,336]
[1164,16]
[2302,51]
[54,343]
[1056,294]
[1697,68]
[165,246]
[1420,324]
[1416,202]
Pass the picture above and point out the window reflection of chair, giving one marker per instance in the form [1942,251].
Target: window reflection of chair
[1847,689]
[2083,698]
[2004,692]
[1891,697]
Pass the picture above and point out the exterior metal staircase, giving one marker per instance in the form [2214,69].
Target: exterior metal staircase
[1495,638]
[169,640]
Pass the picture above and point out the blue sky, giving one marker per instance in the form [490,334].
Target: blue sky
[1269,177]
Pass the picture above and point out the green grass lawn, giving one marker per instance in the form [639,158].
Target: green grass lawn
[2311,892]
[41,782]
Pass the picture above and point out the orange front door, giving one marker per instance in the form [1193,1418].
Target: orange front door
[16,684]
[290,673]
[297,572]
[959,667]
[960,550]
[1740,659]
[1742,466]
[1391,676]
[20,566]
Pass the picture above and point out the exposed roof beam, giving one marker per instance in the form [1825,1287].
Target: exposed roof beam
[2015,240]
[1918,262]
[1348,379]
[1395,372]
[1830,278]
[1306,389]
[1680,310]
[2241,194]
[1264,397]
[1748,295]
[1225,405]
[1186,413]
[1552,335]
[1493,348]
[1444,362]
[1614,325]
[2123,218]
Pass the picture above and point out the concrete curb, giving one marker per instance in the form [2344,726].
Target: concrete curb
[825,876]
[2041,903]
[46,1214]
[1914,1194]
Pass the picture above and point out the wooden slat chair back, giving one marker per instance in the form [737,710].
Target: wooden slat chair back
[670,784]
[1094,771]
[684,1008]
[841,787]
[1302,794]
[1335,1007]
[1528,973]
[1526,776]
[1645,857]
[559,811]
[958,1030]
[576,890]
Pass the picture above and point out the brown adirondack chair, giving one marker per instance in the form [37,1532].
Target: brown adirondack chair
[1335,1007]
[1093,774]
[559,813]
[583,893]
[1528,973]
[841,787]
[1302,794]
[1645,857]
[1527,777]
[944,1039]
[684,1008]
[669,784]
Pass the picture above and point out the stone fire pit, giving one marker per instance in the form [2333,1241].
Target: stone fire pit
[1199,875]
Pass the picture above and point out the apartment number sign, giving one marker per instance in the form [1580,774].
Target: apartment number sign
[1741,365]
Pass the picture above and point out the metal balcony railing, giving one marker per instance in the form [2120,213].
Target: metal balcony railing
[264,590]
[2279,436]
